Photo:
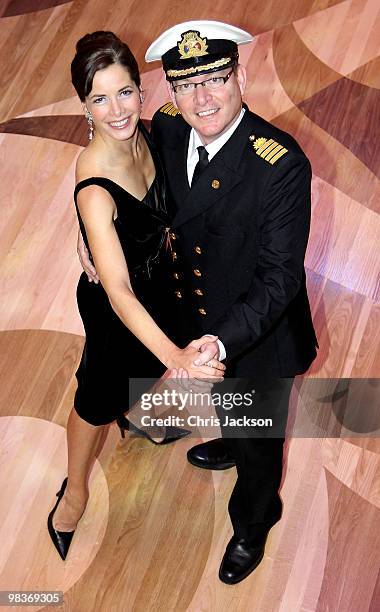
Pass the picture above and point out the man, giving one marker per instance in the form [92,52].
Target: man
[239,234]
[241,189]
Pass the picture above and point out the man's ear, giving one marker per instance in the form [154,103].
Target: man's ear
[241,77]
[171,92]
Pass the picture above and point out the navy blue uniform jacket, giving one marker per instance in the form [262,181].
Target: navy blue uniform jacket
[239,238]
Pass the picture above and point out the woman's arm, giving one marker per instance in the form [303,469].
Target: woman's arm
[85,261]
[97,210]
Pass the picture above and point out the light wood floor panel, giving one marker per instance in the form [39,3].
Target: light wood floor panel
[346,48]
[343,240]
[367,358]
[156,528]
[39,266]
[335,320]
[70,106]
[265,93]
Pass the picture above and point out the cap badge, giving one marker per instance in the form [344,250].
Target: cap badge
[192,45]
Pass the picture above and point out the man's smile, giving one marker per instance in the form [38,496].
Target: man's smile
[208,113]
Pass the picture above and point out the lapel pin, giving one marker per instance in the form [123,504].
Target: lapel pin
[215,184]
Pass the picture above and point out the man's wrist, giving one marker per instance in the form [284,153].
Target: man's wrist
[222,350]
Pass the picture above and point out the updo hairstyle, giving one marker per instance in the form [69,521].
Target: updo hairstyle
[95,52]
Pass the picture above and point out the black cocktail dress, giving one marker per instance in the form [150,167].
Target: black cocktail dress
[112,354]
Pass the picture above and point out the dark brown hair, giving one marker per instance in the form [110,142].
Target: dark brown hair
[95,52]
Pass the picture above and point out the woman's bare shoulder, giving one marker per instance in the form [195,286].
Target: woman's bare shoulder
[87,165]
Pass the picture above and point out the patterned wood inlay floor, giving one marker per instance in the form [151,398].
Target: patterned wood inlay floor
[156,528]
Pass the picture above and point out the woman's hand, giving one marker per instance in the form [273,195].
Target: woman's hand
[85,262]
[179,379]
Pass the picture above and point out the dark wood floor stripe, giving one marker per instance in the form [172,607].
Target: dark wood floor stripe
[348,111]
[350,175]
[21,7]
[65,128]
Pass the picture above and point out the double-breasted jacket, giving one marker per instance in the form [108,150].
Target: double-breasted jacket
[238,241]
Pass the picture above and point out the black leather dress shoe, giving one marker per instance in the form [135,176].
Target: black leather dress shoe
[211,455]
[240,559]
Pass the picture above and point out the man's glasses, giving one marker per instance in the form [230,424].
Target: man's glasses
[184,89]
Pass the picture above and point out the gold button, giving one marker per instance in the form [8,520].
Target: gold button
[197,272]
[215,184]
[202,311]
[198,291]
[174,256]
[176,275]
[198,250]
[178,294]
[172,235]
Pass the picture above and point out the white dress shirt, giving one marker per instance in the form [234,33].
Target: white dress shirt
[192,160]
[212,148]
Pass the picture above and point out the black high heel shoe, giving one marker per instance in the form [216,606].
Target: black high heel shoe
[171,433]
[60,539]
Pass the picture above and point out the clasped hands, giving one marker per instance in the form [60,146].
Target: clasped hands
[197,361]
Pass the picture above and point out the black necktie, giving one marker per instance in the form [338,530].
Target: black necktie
[201,165]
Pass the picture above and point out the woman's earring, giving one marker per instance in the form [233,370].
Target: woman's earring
[142,98]
[90,124]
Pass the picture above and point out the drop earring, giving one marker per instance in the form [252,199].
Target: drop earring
[90,122]
[142,97]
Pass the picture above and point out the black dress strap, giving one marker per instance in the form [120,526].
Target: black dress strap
[101,181]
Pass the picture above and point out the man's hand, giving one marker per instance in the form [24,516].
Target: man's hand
[209,349]
[84,258]
[199,375]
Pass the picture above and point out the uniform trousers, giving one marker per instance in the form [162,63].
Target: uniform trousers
[255,504]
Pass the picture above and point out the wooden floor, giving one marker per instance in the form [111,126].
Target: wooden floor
[155,530]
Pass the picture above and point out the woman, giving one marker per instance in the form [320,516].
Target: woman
[121,208]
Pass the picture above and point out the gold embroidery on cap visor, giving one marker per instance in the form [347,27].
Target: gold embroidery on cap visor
[194,69]
[192,45]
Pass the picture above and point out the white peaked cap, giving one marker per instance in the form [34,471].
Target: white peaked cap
[209,29]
